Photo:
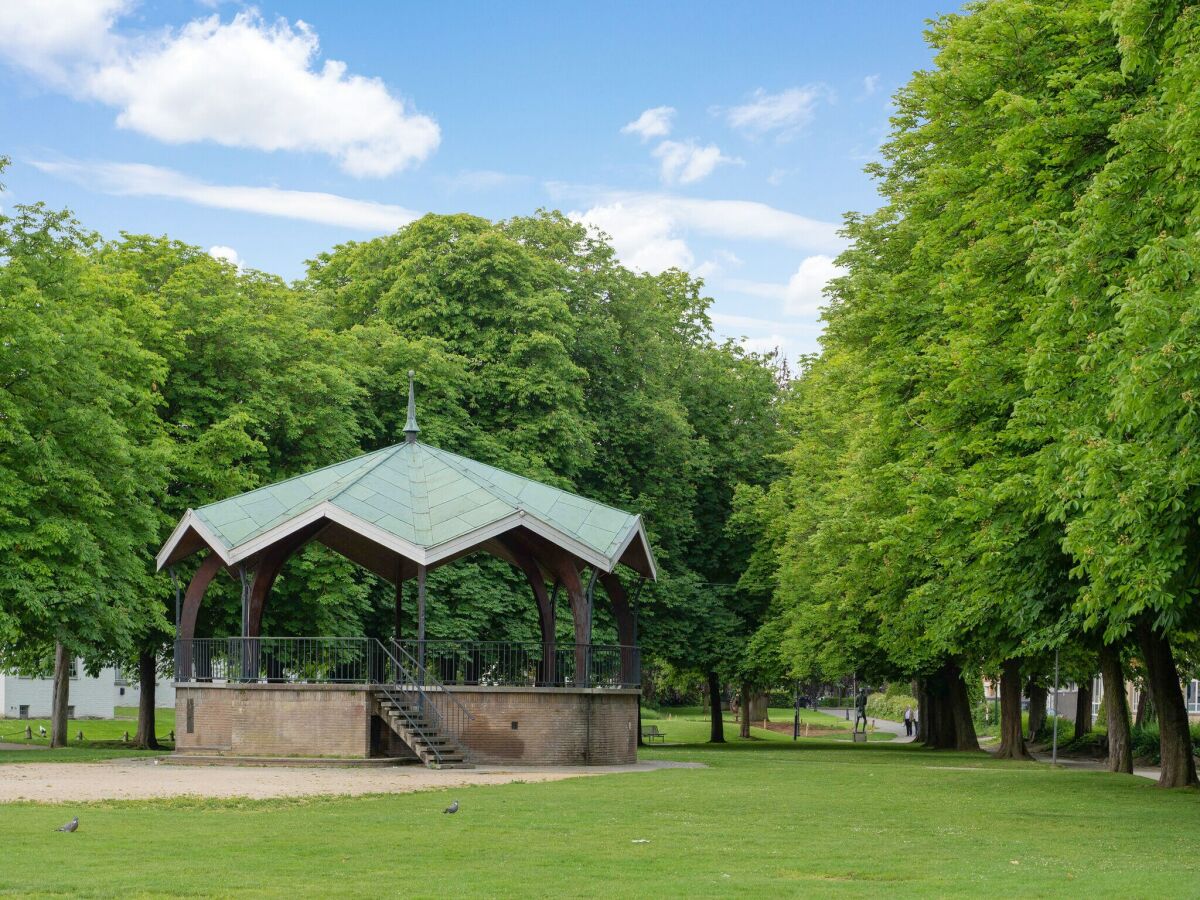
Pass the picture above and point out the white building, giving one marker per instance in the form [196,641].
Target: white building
[88,698]
[127,692]
[30,698]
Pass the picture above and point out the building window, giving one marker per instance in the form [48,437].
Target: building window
[1193,696]
[24,712]
[70,712]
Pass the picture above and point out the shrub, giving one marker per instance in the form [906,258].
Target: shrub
[1144,742]
[884,706]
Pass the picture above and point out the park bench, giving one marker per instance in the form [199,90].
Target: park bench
[650,732]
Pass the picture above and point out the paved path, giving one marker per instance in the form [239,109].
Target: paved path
[1095,765]
[885,725]
[123,779]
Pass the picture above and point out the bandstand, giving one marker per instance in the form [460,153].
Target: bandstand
[400,512]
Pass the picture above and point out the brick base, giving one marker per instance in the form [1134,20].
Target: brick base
[527,726]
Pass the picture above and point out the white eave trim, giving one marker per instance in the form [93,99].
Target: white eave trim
[639,531]
[192,521]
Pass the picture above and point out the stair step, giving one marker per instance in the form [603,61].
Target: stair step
[422,734]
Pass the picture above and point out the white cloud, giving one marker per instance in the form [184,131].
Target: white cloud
[785,112]
[649,231]
[242,83]
[686,162]
[759,335]
[643,236]
[802,295]
[652,123]
[48,36]
[228,254]
[804,289]
[136,180]
[870,85]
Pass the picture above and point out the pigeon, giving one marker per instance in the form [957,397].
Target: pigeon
[452,808]
[70,826]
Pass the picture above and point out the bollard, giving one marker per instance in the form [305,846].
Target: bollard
[29,732]
[79,737]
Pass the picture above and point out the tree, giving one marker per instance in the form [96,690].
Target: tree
[81,455]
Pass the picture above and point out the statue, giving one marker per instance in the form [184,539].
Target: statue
[860,709]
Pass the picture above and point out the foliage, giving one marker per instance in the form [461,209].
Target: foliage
[1145,741]
[890,706]
[142,377]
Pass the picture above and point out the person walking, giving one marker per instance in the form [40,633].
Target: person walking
[908,720]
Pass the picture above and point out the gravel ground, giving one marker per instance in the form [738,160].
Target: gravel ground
[137,779]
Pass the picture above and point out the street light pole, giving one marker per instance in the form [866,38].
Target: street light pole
[1054,744]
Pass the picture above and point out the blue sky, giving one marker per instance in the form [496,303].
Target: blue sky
[726,138]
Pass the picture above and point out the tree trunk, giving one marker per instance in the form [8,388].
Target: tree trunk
[1083,708]
[147,682]
[1175,738]
[922,696]
[1012,740]
[1145,709]
[61,696]
[744,712]
[938,717]
[717,729]
[1116,710]
[960,709]
[1037,693]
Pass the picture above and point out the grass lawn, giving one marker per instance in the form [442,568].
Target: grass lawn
[812,818]
[690,724]
[102,738]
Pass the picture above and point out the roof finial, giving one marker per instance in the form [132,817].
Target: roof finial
[410,427]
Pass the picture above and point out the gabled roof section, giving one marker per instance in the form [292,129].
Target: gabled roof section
[424,503]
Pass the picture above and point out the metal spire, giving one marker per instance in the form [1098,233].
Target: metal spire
[410,427]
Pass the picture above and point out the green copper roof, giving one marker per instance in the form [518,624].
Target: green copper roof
[421,495]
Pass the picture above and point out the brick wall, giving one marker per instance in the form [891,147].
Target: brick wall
[554,726]
[274,720]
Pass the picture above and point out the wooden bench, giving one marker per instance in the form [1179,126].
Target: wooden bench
[650,732]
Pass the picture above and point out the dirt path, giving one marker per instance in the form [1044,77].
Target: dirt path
[137,779]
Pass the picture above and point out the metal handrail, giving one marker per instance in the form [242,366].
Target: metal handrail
[426,679]
[424,704]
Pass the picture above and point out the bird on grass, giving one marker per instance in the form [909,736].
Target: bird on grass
[452,808]
[73,825]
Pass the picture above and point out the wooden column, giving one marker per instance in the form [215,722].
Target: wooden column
[626,634]
[187,665]
[580,614]
[266,570]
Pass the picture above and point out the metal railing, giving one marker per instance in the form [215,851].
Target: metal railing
[428,709]
[528,663]
[432,663]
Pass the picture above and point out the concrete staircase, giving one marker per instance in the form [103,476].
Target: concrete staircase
[420,732]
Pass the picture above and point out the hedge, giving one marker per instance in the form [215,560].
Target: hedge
[883,706]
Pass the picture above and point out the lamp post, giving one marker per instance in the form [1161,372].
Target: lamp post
[1054,742]
[796,722]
